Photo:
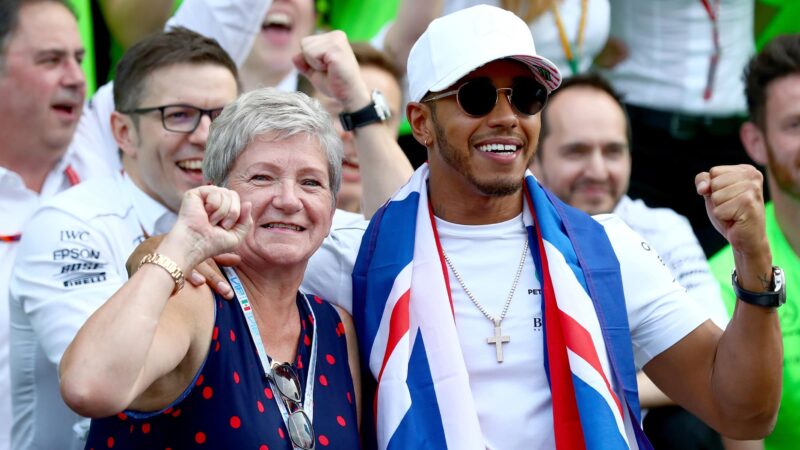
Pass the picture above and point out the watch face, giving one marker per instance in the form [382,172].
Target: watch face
[380,105]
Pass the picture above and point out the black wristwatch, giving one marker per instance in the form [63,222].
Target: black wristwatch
[772,298]
[377,111]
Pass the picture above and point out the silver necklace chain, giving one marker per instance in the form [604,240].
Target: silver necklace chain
[475,301]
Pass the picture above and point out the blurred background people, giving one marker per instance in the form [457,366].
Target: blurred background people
[168,89]
[677,65]
[42,89]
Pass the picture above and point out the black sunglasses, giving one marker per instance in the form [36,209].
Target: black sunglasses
[479,96]
[301,432]
[179,118]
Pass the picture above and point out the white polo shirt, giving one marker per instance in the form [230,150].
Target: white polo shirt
[72,258]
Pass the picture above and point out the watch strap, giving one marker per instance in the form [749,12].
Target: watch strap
[364,116]
[768,299]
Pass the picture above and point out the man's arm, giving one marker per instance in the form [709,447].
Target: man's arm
[731,379]
[328,62]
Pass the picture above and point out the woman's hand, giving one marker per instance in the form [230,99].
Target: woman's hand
[211,221]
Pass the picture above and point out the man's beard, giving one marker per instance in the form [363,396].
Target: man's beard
[783,176]
[459,161]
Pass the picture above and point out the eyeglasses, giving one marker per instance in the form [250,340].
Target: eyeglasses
[179,118]
[301,432]
[478,97]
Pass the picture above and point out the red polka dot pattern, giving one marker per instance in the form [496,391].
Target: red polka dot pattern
[230,403]
[235,422]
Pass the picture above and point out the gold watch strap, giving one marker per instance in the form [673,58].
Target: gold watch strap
[167,264]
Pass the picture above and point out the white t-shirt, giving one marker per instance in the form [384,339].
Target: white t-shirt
[672,237]
[546,34]
[660,313]
[669,49]
[72,258]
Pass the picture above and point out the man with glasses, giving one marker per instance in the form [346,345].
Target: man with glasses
[167,90]
[491,315]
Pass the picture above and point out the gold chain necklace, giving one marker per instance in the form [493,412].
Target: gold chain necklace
[498,339]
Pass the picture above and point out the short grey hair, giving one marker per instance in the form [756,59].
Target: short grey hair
[268,110]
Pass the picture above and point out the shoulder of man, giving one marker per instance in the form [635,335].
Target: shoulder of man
[88,199]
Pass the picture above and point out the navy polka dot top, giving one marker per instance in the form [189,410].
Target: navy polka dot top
[230,404]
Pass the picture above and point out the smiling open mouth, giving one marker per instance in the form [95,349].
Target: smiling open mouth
[498,148]
[283,226]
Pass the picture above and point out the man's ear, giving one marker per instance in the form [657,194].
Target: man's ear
[125,133]
[418,115]
[754,141]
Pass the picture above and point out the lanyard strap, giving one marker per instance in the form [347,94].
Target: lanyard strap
[713,16]
[72,178]
[572,58]
[266,362]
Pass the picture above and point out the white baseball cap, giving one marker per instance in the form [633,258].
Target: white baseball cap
[456,44]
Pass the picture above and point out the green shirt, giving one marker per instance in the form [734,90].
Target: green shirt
[787,431]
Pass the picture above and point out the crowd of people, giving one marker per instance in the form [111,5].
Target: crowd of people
[504,224]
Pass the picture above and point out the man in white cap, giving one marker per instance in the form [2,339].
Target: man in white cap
[491,315]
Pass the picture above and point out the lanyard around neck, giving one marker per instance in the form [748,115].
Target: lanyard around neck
[573,58]
[713,16]
[266,361]
[72,178]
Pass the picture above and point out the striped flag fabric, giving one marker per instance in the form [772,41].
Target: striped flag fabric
[417,385]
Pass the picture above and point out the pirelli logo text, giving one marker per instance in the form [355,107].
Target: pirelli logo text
[86,279]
